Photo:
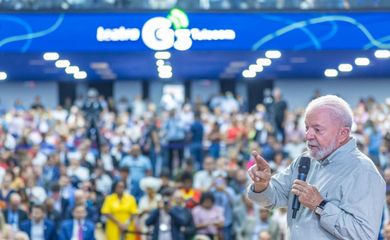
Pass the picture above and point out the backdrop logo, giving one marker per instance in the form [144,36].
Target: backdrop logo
[161,33]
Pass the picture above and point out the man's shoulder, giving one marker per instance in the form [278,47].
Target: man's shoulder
[89,224]
[363,165]
[25,225]
[49,223]
[67,223]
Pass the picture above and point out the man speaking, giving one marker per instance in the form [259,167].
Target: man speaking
[343,196]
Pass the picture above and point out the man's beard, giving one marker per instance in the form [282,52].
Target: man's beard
[321,153]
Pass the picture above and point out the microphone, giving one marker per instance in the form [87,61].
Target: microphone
[303,170]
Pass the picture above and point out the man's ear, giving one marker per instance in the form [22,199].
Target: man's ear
[344,134]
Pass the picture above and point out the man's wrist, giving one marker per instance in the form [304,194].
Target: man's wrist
[257,189]
[320,208]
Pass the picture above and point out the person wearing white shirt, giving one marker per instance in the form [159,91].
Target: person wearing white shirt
[39,228]
[76,170]
[203,179]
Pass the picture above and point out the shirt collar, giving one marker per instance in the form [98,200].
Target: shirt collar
[334,157]
[38,224]
[76,222]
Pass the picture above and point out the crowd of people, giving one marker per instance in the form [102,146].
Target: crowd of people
[155,173]
[192,4]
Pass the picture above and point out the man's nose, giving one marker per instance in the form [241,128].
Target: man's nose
[309,134]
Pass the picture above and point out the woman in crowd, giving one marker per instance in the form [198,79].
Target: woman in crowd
[208,217]
[120,208]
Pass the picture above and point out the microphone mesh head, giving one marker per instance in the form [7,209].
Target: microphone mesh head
[304,165]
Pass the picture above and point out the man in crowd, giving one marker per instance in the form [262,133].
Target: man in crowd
[39,228]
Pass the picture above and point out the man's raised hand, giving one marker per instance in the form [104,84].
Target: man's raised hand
[260,173]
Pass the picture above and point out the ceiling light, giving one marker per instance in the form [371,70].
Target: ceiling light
[264,62]
[99,65]
[159,62]
[72,69]
[256,68]
[3,76]
[80,75]
[273,54]
[331,73]
[109,77]
[362,61]
[62,63]
[248,74]
[345,67]
[162,55]
[51,56]
[382,54]
[164,68]
[165,74]
[237,64]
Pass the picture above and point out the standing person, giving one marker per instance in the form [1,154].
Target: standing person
[150,143]
[196,141]
[120,209]
[39,228]
[344,194]
[139,167]
[279,114]
[174,134]
[215,137]
[78,227]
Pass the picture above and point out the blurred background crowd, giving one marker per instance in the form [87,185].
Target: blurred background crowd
[131,169]
[193,4]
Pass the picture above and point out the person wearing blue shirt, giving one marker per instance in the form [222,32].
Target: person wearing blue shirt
[197,132]
[139,167]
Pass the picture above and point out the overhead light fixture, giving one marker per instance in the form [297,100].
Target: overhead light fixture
[382,54]
[362,61]
[51,56]
[264,62]
[160,62]
[99,65]
[165,74]
[255,68]
[3,76]
[62,63]
[273,54]
[80,75]
[331,73]
[248,74]
[72,69]
[109,77]
[162,55]
[164,68]
[345,67]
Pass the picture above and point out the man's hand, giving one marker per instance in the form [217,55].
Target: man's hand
[260,173]
[308,195]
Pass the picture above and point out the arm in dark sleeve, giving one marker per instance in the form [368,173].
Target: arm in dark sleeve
[153,217]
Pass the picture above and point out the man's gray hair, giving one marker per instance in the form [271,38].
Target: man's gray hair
[338,106]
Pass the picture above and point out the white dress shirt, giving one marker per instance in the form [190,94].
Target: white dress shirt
[37,231]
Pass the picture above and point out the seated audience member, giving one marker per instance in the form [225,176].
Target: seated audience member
[39,228]
[78,227]
[13,215]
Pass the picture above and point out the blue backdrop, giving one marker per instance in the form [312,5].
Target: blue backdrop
[76,32]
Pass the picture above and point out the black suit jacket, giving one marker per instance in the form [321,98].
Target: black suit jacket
[22,216]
